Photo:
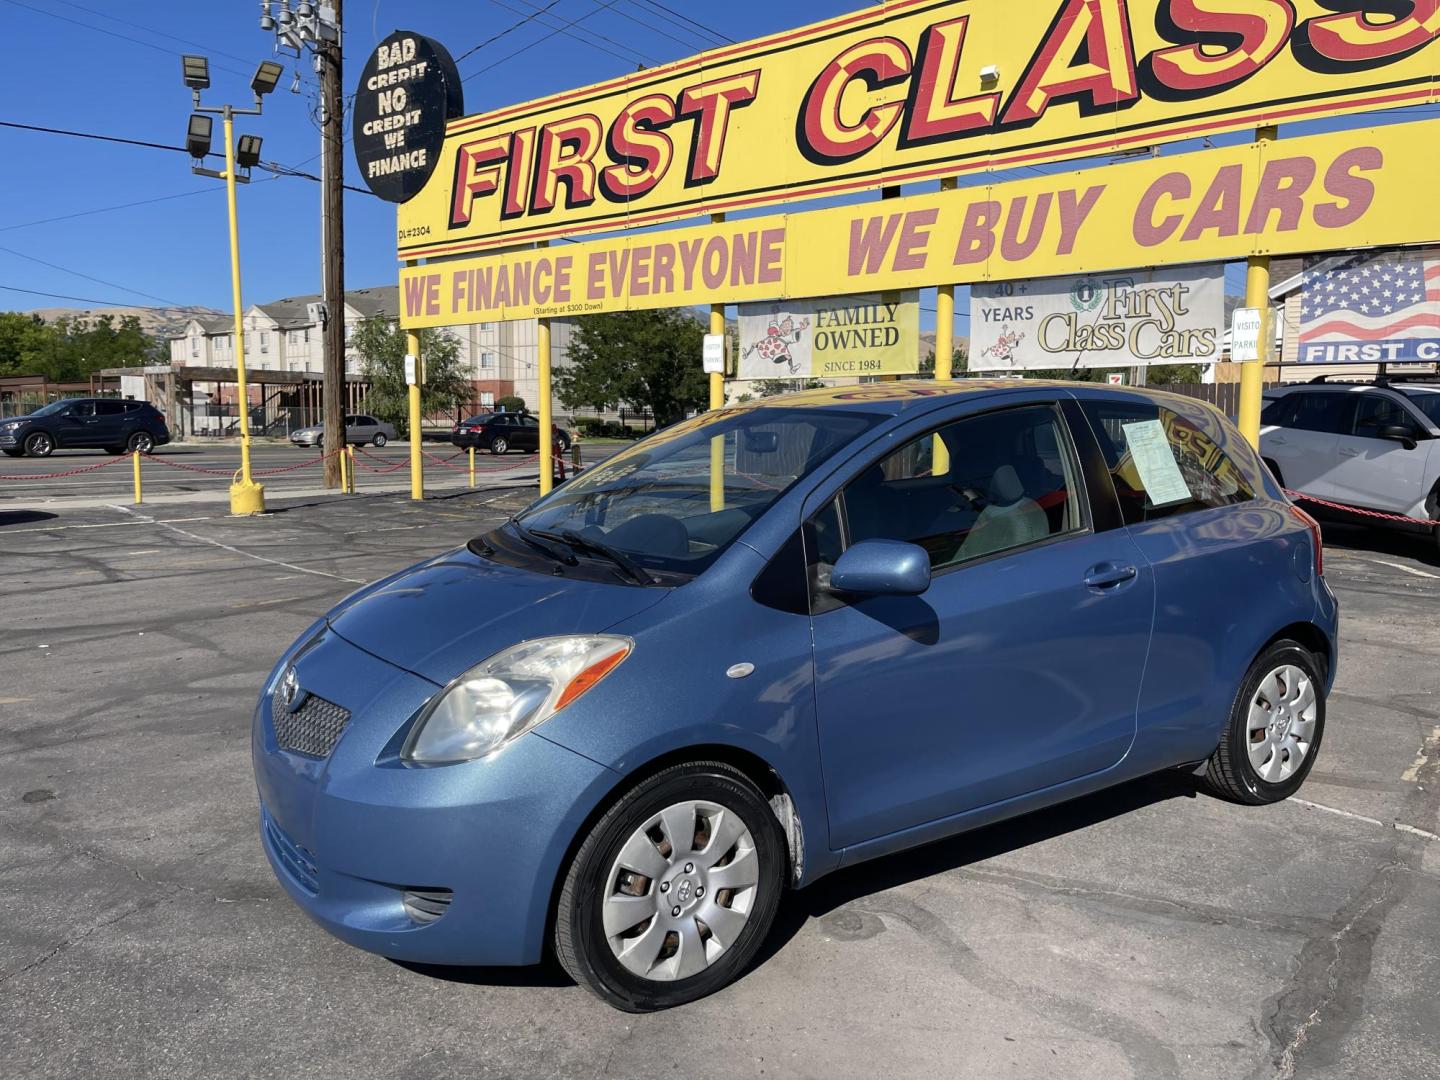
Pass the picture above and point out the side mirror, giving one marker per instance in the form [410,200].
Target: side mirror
[882,568]
[1398,433]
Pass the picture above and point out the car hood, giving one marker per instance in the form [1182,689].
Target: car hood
[13,419]
[443,616]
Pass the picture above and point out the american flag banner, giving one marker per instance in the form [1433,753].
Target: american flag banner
[1375,307]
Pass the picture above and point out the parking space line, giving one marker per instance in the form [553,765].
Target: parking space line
[1397,825]
[244,554]
[106,524]
[1412,774]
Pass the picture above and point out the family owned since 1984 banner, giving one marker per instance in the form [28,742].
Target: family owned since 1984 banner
[1173,315]
[868,334]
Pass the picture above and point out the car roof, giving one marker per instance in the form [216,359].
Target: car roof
[893,398]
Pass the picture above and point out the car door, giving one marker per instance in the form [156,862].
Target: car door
[1017,670]
[109,426]
[364,429]
[75,426]
[1382,474]
[527,434]
[1303,445]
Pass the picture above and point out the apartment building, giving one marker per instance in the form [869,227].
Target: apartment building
[499,358]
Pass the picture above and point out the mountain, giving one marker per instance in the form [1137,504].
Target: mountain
[155,321]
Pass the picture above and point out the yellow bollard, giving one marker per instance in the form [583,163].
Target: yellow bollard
[136,457]
[472,466]
[344,472]
[352,470]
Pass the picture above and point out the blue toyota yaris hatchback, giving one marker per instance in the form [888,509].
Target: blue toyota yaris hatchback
[781,638]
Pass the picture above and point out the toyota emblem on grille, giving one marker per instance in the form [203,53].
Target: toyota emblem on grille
[291,694]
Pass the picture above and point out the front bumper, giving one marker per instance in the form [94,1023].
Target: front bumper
[304,440]
[348,835]
[9,440]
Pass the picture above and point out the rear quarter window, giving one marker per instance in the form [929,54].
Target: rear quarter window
[1164,461]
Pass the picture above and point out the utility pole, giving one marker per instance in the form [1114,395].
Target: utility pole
[317,26]
[332,245]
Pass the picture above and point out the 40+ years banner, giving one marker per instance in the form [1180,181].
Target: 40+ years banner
[1346,190]
[904,91]
[1172,316]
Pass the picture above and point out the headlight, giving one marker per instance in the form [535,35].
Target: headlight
[10,426]
[515,690]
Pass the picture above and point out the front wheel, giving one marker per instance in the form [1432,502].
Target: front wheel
[1276,724]
[379,440]
[39,444]
[14,453]
[498,445]
[673,890]
[562,443]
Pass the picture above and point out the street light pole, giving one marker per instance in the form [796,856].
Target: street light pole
[246,496]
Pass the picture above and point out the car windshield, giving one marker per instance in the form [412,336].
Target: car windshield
[1427,401]
[54,407]
[673,502]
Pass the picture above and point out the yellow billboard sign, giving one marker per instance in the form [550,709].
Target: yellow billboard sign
[905,91]
[1350,189]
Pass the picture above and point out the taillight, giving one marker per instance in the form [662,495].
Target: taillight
[1314,527]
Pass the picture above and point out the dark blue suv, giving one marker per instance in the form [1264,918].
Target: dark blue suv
[108,424]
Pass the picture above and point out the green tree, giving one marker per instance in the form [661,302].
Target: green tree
[959,363]
[511,403]
[381,345]
[27,345]
[646,358]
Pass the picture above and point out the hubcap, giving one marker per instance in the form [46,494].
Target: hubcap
[40,444]
[1281,724]
[680,891]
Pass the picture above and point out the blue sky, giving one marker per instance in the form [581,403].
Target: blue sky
[113,68]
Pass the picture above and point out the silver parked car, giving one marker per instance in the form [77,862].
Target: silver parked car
[360,430]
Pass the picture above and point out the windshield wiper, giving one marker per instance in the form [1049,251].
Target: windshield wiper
[528,536]
[581,542]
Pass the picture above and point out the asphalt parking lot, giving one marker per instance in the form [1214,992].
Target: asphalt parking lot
[1149,931]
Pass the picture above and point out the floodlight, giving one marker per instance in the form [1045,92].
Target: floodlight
[197,136]
[247,151]
[197,72]
[267,75]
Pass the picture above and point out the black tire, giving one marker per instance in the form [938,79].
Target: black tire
[580,941]
[114,451]
[1230,774]
[141,441]
[14,453]
[39,444]
[563,442]
[379,440]
[498,445]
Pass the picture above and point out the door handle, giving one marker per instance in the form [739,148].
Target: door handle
[1108,575]
[1349,453]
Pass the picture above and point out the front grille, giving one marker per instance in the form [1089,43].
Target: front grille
[426,905]
[298,862]
[312,729]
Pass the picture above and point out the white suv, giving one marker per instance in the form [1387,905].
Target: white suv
[1374,445]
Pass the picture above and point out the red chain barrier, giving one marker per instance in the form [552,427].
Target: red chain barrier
[361,451]
[1360,510]
[69,472]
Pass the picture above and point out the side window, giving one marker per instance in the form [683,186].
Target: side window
[83,408]
[1278,412]
[109,408]
[1326,413]
[132,406]
[351,421]
[529,422]
[1376,411]
[1162,463]
[1009,481]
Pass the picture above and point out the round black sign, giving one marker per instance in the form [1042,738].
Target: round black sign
[407,92]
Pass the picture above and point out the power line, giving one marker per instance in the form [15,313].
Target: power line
[91,135]
[100,303]
[686,18]
[108,209]
[540,40]
[503,33]
[635,54]
[650,26]
[115,34]
[152,30]
[90,277]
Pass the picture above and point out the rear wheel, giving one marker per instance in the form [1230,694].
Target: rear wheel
[499,445]
[379,440]
[141,441]
[673,890]
[39,444]
[1276,724]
